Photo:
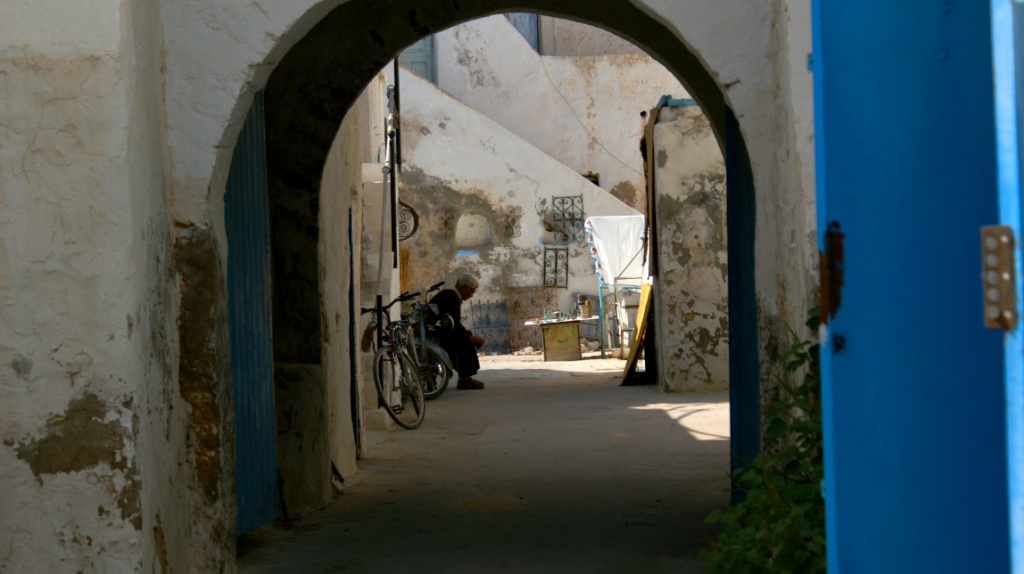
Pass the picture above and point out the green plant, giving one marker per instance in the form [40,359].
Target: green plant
[780,526]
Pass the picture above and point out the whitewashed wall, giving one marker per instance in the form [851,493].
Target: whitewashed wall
[457,157]
[561,37]
[341,200]
[583,111]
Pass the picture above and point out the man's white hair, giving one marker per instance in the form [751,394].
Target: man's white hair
[467,280]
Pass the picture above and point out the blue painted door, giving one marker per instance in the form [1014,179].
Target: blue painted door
[245,217]
[913,385]
[420,58]
[1008,55]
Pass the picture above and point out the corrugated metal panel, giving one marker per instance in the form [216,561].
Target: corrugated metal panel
[249,323]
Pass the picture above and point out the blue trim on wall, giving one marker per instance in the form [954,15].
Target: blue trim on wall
[248,281]
[744,371]
[668,102]
[1007,27]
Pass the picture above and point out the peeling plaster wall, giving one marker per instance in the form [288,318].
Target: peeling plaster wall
[582,111]
[692,311]
[461,163]
[91,420]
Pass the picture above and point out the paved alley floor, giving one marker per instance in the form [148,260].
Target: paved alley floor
[553,467]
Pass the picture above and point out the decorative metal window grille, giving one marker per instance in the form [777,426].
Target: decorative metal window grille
[447,222]
[513,215]
[556,267]
[490,321]
[408,221]
[568,216]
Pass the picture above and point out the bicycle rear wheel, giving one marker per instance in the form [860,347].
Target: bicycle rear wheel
[398,386]
[434,374]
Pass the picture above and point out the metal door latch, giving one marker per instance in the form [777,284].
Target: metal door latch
[997,266]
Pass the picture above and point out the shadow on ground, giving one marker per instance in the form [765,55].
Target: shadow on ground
[553,467]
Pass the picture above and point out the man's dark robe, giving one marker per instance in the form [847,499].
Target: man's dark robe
[457,344]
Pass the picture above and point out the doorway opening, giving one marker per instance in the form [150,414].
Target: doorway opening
[308,96]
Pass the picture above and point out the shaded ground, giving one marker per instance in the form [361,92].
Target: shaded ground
[552,468]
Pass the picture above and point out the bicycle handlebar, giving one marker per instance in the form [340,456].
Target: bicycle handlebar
[407,296]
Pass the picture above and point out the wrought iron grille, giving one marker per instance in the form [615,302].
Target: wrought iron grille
[408,221]
[513,214]
[447,222]
[568,217]
[556,267]
[490,321]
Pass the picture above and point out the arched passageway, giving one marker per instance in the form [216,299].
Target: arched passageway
[321,77]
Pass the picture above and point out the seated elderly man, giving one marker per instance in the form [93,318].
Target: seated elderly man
[461,344]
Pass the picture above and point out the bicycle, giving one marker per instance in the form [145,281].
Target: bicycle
[435,367]
[396,371]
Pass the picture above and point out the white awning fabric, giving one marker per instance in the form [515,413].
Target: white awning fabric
[616,243]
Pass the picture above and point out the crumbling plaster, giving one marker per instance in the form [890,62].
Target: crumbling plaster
[692,308]
[93,426]
[462,161]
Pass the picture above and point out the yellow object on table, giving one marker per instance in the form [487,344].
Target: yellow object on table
[562,341]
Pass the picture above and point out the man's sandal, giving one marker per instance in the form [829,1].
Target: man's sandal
[469,383]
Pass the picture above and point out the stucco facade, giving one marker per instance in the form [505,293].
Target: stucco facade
[584,111]
[117,126]
[691,285]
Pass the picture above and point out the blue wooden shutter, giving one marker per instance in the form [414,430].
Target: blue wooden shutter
[245,206]
[420,58]
[526,24]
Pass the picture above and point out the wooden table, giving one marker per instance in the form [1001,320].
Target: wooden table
[561,339]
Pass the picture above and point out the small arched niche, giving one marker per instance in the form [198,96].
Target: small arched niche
[472,230]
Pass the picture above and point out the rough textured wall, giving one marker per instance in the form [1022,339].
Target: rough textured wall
[341,201]
[66,319]
[204,385]
[692,313]
[560,37]
[461,164]
[786,253]
[96,473]
[582,111]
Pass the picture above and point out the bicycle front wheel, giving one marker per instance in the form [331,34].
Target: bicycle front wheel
[434,374]
[398,386]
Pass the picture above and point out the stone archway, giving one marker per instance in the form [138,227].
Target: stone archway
[324,72]
[315,84]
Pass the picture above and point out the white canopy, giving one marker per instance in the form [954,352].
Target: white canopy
[616,242]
